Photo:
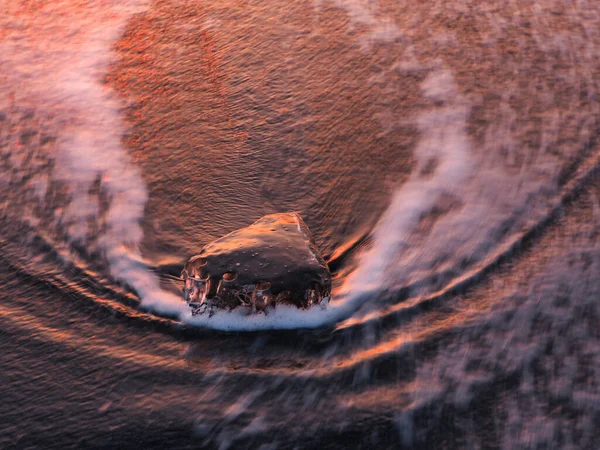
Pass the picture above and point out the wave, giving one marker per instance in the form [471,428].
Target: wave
[453,213]
[60,71]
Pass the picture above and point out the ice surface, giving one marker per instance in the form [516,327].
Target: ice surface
[273,261]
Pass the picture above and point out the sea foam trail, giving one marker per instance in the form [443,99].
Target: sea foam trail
[55,57]
[482,198]
[444,145]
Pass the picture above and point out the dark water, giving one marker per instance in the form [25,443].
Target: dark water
[443,153]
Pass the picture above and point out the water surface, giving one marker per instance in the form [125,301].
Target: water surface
[443,154]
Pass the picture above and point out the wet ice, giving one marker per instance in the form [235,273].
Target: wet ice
[273,261]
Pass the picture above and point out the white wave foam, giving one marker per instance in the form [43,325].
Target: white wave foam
[59,69]
[504,186]
[444,143]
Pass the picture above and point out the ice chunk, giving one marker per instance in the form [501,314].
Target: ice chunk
[272,261]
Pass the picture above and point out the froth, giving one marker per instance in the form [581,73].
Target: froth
[56,59]
[445,145]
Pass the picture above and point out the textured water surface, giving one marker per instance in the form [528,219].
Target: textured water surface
[443,154]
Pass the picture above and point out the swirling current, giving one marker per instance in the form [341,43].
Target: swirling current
[444,155]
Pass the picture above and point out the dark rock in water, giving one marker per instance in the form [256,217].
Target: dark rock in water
[273,261]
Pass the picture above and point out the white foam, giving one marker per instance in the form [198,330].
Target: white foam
[499,188]
[443,139]
[59,70]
